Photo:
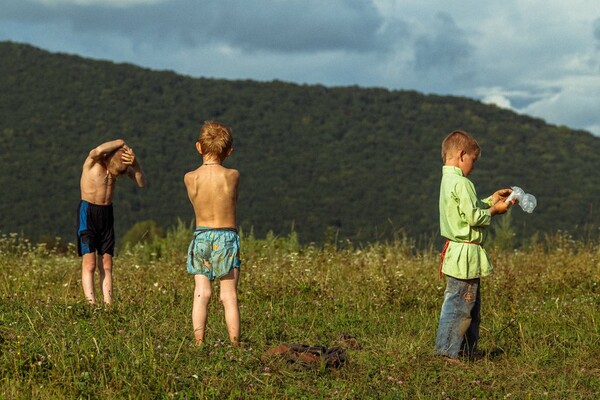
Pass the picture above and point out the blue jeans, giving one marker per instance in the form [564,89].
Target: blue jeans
[458,331]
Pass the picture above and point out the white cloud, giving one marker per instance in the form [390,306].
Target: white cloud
[575,105]
[498,100]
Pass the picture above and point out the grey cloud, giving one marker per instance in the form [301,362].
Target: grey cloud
[309,25]
[446,48]
[260,25]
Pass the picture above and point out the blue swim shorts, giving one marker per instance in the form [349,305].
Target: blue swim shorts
[213,252]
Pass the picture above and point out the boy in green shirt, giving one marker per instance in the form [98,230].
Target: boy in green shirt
[463,222]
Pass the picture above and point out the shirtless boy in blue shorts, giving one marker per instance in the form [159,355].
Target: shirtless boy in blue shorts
[95,233]
[214,250]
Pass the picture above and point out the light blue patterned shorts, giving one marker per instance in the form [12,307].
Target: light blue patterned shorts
[213,252]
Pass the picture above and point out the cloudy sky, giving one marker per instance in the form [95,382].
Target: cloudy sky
[538,57]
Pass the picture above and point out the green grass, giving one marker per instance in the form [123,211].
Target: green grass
[540,327]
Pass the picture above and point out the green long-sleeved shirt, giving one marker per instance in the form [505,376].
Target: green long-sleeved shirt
[463,221]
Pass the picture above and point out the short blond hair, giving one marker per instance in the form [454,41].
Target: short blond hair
[215,138]
[460,140]
[115,161]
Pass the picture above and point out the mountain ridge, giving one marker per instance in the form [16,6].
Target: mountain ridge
[361,162]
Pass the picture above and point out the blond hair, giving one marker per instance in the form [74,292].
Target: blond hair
[460,141]
[216,139]
[115,162]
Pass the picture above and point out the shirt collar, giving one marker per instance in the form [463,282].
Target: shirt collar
[451,170]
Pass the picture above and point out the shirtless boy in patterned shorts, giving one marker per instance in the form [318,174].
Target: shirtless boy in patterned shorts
[214,250]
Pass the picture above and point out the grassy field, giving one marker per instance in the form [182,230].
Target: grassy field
[540,328]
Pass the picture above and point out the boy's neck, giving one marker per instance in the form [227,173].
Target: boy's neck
[452,163]
[211,161]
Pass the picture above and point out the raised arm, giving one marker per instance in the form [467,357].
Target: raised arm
[105,148]
[135,170]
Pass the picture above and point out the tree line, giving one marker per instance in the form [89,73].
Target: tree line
[359,163]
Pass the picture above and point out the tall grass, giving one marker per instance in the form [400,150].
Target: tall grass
[540,328]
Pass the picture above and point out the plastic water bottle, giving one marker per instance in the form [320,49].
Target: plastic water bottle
[527,201]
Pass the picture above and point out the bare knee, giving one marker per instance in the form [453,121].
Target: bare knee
[228,297]
[107,268]
[107,261]
[89,264]
[202,296]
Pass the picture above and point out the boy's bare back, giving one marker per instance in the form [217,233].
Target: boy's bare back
[213,192]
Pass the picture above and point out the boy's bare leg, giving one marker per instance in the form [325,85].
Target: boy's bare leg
[202,293]
[88,266]
[230,304]
[105,271]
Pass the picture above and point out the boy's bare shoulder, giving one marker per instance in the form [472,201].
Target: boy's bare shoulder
[233,172]
[232,176]
[189,179]
[188,174]
[90,162]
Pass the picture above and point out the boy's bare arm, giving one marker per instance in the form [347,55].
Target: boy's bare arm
[106,147]
[97,152]
[135,170]
[236,185]
[137,175]
[188,179]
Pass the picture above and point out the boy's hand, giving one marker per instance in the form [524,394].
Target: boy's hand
[501,195]
[128,156]
[500,207]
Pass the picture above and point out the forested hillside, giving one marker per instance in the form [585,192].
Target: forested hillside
[362,162]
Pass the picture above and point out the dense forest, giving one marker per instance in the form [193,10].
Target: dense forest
[358,163]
